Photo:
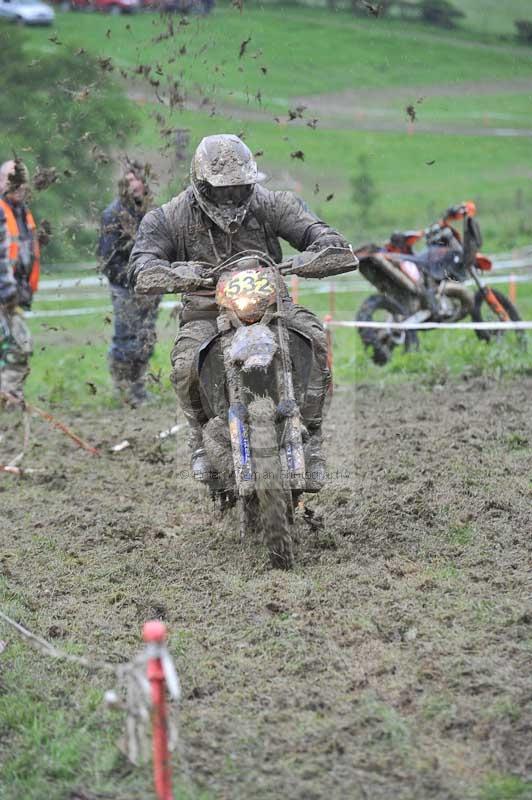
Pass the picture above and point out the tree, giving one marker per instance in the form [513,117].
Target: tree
[440,12]
[63,116]
[524,30]
[365,192]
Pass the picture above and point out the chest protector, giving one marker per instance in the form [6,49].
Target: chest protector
[13,243]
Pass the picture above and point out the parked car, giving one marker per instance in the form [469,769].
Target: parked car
[27,12]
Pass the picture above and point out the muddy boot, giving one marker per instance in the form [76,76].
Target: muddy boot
[120,375]
[12,379]
[129,382]
[201,467]
[136,394]
[314,460]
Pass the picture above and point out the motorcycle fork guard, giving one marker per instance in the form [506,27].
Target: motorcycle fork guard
[292,455]
[291,449]
[241,449]
[495,306]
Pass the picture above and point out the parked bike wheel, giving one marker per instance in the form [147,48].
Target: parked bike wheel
[482,312]
[269,485]
[381,342]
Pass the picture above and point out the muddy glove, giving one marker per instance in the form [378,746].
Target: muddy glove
[328,240]
[181,276]
[24,295]
[9,304]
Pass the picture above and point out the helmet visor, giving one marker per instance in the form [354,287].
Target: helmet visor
[227,195]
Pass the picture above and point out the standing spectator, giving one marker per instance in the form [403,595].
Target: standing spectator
[135,316]
[19,277]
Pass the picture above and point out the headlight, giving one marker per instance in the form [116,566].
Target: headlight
[248,293]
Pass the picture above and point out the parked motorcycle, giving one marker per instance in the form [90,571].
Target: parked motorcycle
[429,286]
[254,374]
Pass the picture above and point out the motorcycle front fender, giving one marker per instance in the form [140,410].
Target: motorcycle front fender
[253,347]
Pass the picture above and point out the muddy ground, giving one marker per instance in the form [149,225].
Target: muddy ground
[392,663]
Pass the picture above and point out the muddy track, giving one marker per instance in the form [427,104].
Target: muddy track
[391,663]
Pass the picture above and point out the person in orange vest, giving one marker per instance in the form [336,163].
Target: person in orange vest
[19,277]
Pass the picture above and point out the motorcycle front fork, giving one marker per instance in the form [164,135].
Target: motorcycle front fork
[490,298]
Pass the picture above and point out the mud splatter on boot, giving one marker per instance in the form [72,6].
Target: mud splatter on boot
[129,382]
[314,460]
[200,465]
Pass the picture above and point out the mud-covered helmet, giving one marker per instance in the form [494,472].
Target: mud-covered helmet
[223,175]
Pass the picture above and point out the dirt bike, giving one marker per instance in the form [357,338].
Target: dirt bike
[428,286]
[253,376]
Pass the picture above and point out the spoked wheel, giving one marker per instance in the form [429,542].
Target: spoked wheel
[486,311]
[381,341]
[271,504]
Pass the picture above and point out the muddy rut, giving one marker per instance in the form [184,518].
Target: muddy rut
[392,662]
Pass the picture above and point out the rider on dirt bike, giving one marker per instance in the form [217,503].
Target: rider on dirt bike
[224,212]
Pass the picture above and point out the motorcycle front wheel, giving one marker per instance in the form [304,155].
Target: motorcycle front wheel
[271,508]
[381,342]
[482,312]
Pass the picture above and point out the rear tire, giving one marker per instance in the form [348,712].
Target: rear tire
[476,316]
[379,342]
[271,498]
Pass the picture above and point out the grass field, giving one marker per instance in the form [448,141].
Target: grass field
[366,54]
[494,17]
[416,174]
[393,661]
[70,360]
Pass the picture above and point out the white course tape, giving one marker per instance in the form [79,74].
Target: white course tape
[426,326]
[79,312]
[521,259]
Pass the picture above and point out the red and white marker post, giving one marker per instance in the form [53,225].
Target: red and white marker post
[512,289]
[294,288]
[328,336]
[154,634]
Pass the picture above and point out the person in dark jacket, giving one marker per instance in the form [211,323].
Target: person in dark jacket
[224,212]
[19,277]
[134,317]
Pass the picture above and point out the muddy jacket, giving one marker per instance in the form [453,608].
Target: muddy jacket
[18,274]
[181,231]
[117,234]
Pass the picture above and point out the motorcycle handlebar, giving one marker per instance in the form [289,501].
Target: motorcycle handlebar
[183,276]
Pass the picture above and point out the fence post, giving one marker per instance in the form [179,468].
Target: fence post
[332,299]
[294,287]
[328,335]
[154,634]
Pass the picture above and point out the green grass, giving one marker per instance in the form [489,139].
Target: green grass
[493,171]
[493,110]
[54,727]
[71,353]
[385,54]
[495,17]
[366,53]
[506,787]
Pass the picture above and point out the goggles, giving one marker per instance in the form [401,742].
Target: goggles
[227,195]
